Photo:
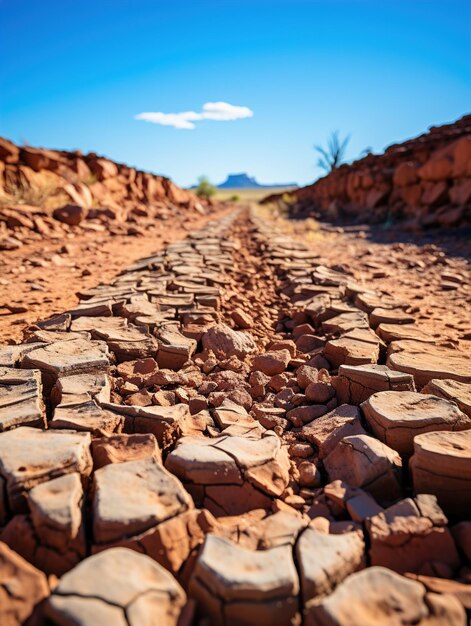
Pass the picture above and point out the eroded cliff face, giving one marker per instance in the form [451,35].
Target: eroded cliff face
[46,190]
[425,182]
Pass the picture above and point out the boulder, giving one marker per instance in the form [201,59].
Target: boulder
[9,152]
[272,363]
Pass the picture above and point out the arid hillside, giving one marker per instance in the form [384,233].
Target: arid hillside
[45,192]
[423,182]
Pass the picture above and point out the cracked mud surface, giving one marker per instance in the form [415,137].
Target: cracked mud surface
[240,430]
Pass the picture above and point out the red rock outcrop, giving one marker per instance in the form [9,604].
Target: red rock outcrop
[49,191]
[425,181]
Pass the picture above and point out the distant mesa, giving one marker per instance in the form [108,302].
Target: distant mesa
[244,181]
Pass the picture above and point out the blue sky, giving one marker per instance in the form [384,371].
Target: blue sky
[75,75]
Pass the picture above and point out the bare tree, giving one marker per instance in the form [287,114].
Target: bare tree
[332,156]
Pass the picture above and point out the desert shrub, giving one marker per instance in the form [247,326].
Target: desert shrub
[205,189]
[332,156]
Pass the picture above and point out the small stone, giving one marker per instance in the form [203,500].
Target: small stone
[319,393]
[242,319]
[71,214]
[272,363]
[305,375]
[309,475]
[225,342]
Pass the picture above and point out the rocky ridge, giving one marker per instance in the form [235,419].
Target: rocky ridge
[47,193]
[424,182]
[232,433]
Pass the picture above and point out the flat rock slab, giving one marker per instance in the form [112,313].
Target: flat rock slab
[258,530]
[56,510]
[121,448]
[131,497]
[125,340]
[165,422]
[397,332]
[389,316]
[86,416]
[82,388]
[425,362]
[355,384]
[10,356]
[65,358]
[451,390]
[21,402]
[397,417]
[346,322]
[118,587]
[52,537]
[441,465]
[261,462]
[377,595]
[29,456]
[238,586]
[356,347]
[174,349]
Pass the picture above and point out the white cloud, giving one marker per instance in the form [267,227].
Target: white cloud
[218,111]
